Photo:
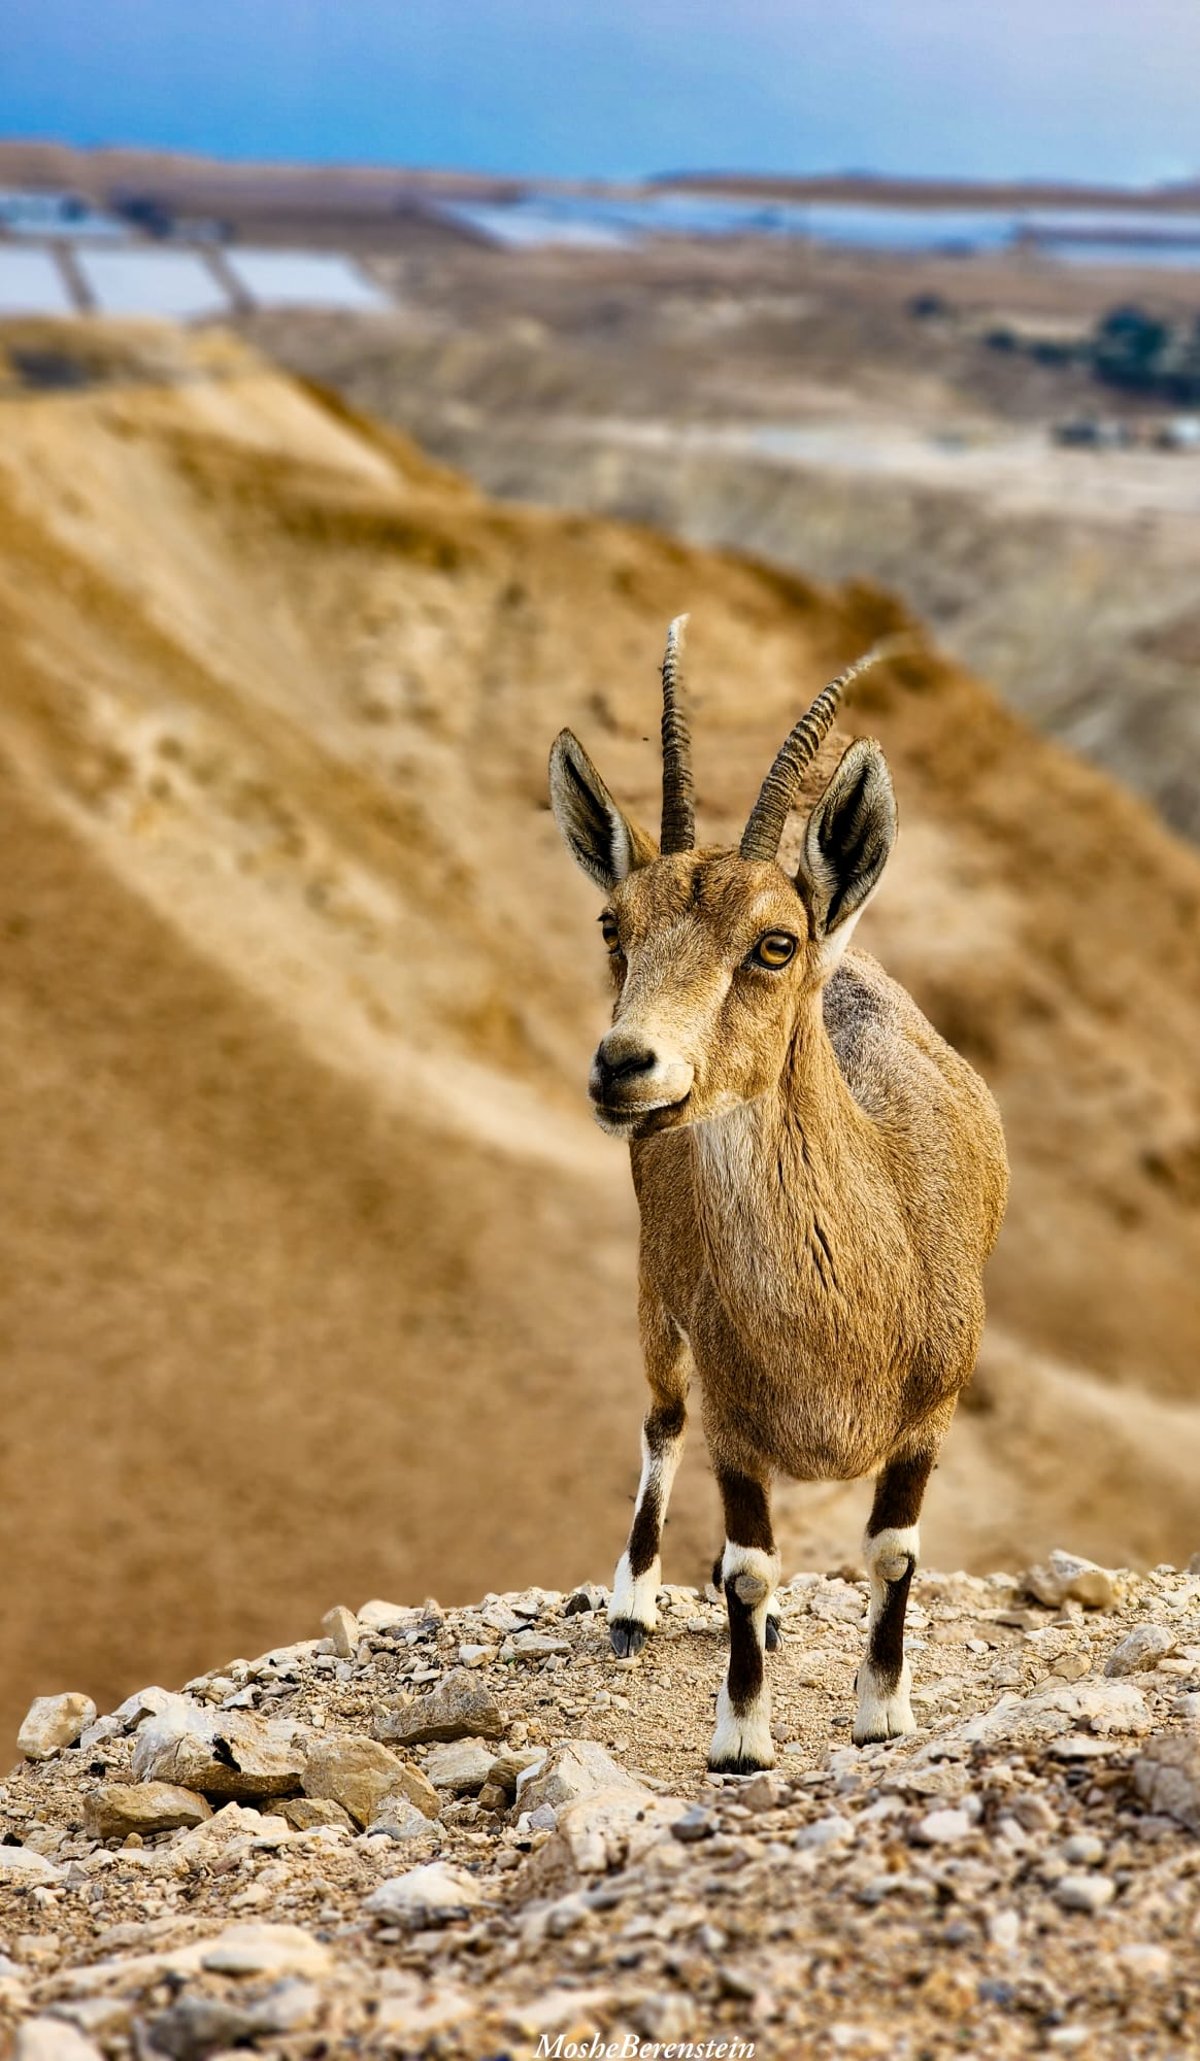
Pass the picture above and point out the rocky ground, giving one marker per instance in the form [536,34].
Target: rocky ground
[472,1832]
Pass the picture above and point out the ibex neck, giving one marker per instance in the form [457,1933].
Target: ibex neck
[769,1176]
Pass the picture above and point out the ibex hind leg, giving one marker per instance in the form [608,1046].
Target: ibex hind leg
[891,1548]
[633,1604]
[741,1741]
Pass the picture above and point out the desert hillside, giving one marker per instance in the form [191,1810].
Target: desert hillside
[317,1277]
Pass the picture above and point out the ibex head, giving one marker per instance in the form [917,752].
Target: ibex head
[714,952]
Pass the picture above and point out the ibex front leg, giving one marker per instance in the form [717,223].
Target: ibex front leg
[741,1742]
[633,1604]
[890,1549]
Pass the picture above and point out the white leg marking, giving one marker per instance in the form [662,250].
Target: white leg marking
[744,1734]
[885,1708]
[635,1597]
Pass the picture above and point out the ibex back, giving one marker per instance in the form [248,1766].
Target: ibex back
[820,1179]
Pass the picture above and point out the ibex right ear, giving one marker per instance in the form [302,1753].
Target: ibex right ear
[600,837]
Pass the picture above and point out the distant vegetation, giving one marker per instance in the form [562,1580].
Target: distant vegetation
[1128,348]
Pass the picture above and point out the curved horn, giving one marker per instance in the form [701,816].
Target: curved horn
[678,806]
[760,839]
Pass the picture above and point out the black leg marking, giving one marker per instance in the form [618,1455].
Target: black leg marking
[742,1740]
[885,1651]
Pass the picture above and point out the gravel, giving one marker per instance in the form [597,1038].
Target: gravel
[1025,1865]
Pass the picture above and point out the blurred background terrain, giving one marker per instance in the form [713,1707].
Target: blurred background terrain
[328,493]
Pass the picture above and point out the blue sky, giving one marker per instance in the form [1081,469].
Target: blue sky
[1077,89]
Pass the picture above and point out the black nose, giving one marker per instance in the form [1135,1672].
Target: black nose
[621,1062]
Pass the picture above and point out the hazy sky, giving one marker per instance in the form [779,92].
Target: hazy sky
[1083,89]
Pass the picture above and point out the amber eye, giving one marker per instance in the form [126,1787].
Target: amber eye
[609,932]
[773,951]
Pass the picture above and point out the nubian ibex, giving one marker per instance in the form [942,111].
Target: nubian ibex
[820,1179]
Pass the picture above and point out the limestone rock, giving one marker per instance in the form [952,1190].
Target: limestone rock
[1064,1576]
[20,1865]
[52,2039]
[1143,1647]
[611,1828]
[359,1773]
[433,1895]
[400,1820]
[232,1830]
[118,1808]
[264,1950]
[573,1769]
[224,1753]
[1098,1706]
[302,1813]
[1166,1776]
[52,1722]
[462,1766]
[341,1626]
[1090,1893]
[461,1707]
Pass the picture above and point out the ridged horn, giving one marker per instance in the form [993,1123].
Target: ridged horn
[777,796]
[678,802]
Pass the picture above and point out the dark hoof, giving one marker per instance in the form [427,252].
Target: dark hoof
[627,1636]
[718,1578]
[745,1764]
[773,1638]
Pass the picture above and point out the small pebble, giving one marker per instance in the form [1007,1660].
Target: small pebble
[1090,1893]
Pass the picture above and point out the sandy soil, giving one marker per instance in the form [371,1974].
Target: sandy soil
[316,1276]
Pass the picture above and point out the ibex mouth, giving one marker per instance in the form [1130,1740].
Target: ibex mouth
[641,1121]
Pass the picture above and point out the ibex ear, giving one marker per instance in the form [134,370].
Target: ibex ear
[600,837]
[846,843]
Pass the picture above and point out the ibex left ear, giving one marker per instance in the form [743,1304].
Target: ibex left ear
[846,843]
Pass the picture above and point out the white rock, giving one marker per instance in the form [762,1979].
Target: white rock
[376,1614]
[614,1827]
[433,1895]
[1083,1850]
[341,1626]
[1166,1777]
[1142,1648]
[218,1753]
[264,1950]
[532,1646]
[400,1820]
[1145,1961]
[1102,1706]
[52,1722]
[823,1832]
[943,1828]
[20,1864]
[573,1768]
[52,2039]
[1089,1893]
[143,1703]
[1004,1930]
[461,1766]
[1065,1576]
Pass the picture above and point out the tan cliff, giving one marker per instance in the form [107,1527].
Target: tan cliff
[317,1276]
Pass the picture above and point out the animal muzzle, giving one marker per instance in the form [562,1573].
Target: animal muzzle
[634,1080]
